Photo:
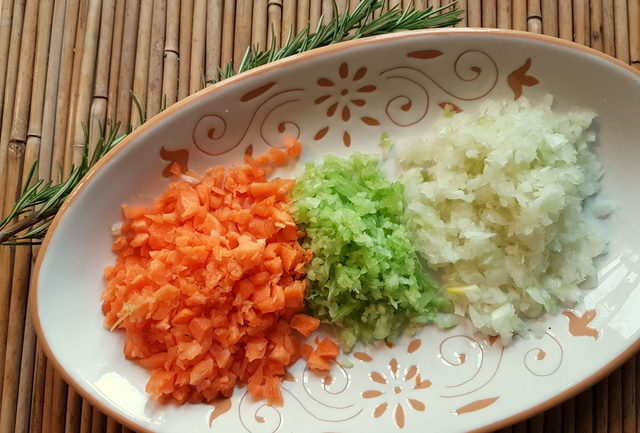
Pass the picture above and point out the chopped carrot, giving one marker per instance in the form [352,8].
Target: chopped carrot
[304,324]
[306,350]
[316,362]
[175,168]
[327,348]
[208,283]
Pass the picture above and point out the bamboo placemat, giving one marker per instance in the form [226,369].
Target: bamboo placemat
[65,63]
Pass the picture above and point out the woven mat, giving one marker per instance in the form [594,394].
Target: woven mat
[64,63]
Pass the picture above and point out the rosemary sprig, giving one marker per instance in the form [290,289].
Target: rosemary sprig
[359,23]
[40,200]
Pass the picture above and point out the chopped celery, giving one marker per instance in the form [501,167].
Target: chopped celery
[365,277]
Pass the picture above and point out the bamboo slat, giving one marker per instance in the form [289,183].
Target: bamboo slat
[634,33]
[26,381]
[259,24]
[5,253]
[315,10]
[474,13]
[274,15]
[462,4]
[62,103]
[327,11]
[156,54]
[596,41]
[615,401]
[519,428]
[621,31]
[8,106]
[184,53]
[565,21]
[57,419]
[98,421]
[568,419]
[550,17]
[47,410]
[141,74]
[489,13]
[86,58]
[27,377]
[77,83]
[214,34]
[302,19]
[6,20]
[39,390]
[289,18]
[228,32]
[519,15]
[85,418]
[503,14]
[112,426]
[601,400]
[584,422]
[629,403]
[85,83]
[99,104]
[420,4]
[534,16]
[242,29]
[552,422]
[11,152]
[198,38]
[50,94]
[536,424]
[636,415]
[171,58]
[73,413]
[13,356]
[608,30]
[115,57]
[127,61]
[580,23]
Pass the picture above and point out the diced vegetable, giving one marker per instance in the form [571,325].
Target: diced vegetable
[495,203]
[208,283]
[364,277]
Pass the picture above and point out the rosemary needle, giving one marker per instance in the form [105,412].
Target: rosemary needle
[40,200]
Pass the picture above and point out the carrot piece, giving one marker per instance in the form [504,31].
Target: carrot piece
[175,169]
[161,382]
[327,348]
[184,316]
[306,350]
[200,371]
[294,147]
[132,212]
[256,348]
[272,391]
[316,362]
[304,324]
[294,294]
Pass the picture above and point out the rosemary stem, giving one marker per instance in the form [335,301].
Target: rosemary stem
[9,232]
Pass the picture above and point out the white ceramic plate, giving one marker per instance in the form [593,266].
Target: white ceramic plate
[338,100]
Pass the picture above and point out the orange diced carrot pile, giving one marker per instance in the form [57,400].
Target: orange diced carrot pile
[208,283]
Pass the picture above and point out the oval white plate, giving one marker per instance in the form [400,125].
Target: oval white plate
[338,100]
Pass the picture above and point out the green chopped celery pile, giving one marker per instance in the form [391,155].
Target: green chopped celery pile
[365,277]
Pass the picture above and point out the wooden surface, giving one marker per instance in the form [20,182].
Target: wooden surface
[65,63]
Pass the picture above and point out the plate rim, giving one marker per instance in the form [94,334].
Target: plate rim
[110,409]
